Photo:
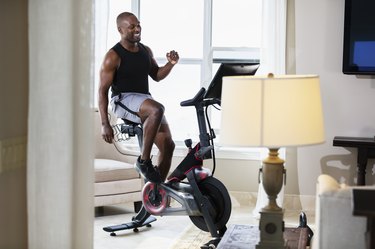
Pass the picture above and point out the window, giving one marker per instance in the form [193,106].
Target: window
[177,25]
[205,33]
[236,23]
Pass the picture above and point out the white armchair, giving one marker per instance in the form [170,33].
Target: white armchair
[116,180]
[336,227]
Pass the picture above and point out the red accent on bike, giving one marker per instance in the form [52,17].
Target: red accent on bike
[194,167]
[196,150]
[203,175]
[174,179]
[151,207]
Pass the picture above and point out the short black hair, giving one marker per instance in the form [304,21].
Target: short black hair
[122,16]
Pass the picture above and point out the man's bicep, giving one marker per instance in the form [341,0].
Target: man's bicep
[106,76]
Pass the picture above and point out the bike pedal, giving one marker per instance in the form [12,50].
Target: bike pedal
[212,244]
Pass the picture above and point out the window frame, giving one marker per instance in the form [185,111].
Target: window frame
[271,54]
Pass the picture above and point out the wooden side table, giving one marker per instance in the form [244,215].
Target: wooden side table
[366,150]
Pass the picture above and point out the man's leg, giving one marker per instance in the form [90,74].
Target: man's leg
[165,144]
[151,114]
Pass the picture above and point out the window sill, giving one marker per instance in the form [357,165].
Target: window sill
[230,153]
[239,153]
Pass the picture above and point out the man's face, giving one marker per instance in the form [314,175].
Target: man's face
[130,29]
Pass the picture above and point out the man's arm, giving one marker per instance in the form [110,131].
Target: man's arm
[107,71]
[159,73]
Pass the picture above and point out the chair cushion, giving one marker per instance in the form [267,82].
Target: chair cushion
[107,170]
[118,187]
[106,200]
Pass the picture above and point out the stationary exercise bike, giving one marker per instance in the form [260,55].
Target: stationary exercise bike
[191,186]
[200,196]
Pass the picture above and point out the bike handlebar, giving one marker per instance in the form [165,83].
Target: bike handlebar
[198,99]
[199,102]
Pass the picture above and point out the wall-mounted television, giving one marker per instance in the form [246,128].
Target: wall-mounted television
[359,37]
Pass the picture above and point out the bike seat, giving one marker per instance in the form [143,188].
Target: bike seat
[128,122]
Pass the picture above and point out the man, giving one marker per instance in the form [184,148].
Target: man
[125,70]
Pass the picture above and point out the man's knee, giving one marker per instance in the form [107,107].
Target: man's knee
[151,107]
[171,145]
[158,110]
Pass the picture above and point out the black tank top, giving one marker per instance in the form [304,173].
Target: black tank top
[132,74]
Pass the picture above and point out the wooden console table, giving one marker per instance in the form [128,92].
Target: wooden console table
[366,150]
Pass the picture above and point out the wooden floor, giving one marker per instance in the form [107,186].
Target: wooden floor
[175,232]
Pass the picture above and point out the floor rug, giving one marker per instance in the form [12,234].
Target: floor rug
[237,237]
[192,238]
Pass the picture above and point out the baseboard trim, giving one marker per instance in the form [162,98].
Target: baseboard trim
[13,153]
[291,202]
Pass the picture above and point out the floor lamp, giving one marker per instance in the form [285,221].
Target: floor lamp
[272,112]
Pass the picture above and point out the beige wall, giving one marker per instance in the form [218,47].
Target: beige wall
[13,68]
[13,121]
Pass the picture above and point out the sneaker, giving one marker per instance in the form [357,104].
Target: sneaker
[148,171]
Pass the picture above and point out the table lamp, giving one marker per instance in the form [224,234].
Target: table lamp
[272,112]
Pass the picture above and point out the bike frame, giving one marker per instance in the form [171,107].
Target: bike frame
[193,203]
[183,193]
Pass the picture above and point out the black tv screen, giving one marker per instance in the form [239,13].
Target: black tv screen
[228,69]
[359,37]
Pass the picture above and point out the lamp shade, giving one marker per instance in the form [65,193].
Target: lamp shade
[271,111]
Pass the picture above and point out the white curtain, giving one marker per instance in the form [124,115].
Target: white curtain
[272,61]
[60,142]
[273,46]
[100,34]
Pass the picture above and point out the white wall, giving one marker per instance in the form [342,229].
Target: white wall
[348,101]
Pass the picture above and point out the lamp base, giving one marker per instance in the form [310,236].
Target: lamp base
[271,226]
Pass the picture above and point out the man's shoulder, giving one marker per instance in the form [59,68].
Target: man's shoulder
[112,53]
[111,58]
[116,48]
